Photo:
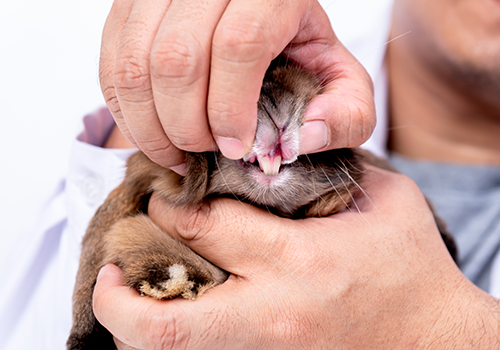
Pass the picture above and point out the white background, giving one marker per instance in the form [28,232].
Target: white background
[49,54]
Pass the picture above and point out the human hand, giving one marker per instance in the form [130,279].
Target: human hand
[379,279]
[186,75]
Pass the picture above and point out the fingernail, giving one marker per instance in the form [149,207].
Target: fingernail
[314,136]
[180,169]
[230,147]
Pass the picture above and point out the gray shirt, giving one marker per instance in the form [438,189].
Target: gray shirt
[468,199]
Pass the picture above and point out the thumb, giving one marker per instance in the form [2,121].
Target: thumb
[108,290]
[339,118]
[343,115]
[231,234]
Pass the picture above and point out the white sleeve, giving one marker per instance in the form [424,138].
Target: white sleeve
[35,301]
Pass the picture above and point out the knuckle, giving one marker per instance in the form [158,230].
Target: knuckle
[132,74]
[176,59]
[408,185]
[105,71]
[111,100]
[107,86]
[400,183]
[240,39]
[220,106]
[362,119]
[190,139]
[155,145]
[160,151]
[225,114]
[367,121]
[403,181]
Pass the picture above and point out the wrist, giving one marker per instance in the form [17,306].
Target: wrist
[462,316]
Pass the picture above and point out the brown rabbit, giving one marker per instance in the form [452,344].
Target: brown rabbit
[271,176]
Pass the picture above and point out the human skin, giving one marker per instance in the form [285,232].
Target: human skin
[186,75]
[380,278]
[444,80]
[377,280]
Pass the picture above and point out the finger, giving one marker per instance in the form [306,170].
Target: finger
[344,114]
[133,83]
[112,32]
[241,238]
[244,43]
[346,107]
[125,323]
[180,64]
[235,236]
[109,281]
[146,323]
